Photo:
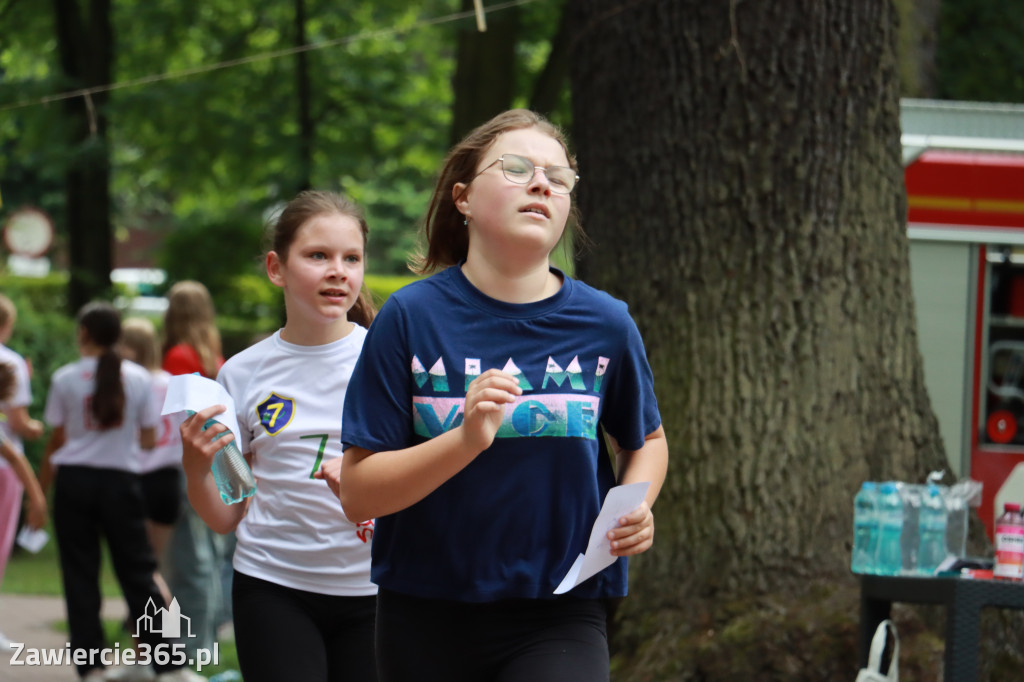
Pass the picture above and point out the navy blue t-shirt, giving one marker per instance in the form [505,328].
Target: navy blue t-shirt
[511,524]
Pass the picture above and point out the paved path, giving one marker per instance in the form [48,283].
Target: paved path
[32,621]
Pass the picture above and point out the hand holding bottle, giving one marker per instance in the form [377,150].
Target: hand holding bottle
[209,445]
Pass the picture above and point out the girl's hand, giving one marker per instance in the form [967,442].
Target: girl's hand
[635,533]
[486,398]
[199,446]
[36,515]
[330,473]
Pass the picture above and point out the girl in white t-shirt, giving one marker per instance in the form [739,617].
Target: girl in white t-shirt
[160,467]
[101,410]
[302,598]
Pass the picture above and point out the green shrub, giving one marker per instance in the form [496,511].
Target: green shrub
[44,334]
[382,286]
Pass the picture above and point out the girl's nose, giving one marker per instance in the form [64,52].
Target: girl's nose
[337,268]
[539,181]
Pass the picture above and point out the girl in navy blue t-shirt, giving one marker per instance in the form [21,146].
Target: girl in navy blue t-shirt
[476,423]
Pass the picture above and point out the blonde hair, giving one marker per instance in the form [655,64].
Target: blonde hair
[138,335]
[8,313]
[190,320]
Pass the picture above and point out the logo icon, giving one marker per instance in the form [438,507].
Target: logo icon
[163,621]
[275,413]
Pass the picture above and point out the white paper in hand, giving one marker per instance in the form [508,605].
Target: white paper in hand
[619,501]
[195,393]
[31,539]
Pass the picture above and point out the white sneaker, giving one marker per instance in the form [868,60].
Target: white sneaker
[130,673]
[180,675]
[5,645]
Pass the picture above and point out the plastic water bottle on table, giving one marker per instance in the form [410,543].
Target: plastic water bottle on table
[931,531]
[889,557]
[865,529]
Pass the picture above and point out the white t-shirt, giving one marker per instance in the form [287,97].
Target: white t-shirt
[288,401]
[67,405]
[167,452]
[21,397]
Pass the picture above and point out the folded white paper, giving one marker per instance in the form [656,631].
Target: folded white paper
[619,501]
[195,393]
[32,539]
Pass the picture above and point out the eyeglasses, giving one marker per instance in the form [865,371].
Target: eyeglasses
[520,170]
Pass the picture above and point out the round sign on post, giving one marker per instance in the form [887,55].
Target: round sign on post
[28,232]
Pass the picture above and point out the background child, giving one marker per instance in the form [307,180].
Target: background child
[159,468]
[475,428]
[15,425]
[14,478]
[302,599]
[196,554]
[101,412]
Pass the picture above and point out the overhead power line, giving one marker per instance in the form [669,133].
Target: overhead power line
[263,56]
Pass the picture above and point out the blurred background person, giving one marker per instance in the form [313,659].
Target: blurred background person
[195,554]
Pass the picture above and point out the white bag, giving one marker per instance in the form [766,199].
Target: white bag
[873,673]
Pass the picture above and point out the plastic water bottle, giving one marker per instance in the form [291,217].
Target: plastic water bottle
[865,529]
[234,478]
[889,557]
[1009,564]
[931,531]
[227,676]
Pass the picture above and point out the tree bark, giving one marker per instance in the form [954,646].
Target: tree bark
[547,89]
[742,183]
[307,131]
[484,81]
[86,48]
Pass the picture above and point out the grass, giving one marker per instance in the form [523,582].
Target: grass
[39,574]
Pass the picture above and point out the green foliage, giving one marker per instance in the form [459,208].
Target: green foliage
[382,286]
[981,54]
[196,149]
[214,252]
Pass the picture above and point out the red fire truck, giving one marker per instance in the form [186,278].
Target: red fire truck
[964,170]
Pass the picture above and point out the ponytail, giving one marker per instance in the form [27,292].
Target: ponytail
[101,323]
[107,402]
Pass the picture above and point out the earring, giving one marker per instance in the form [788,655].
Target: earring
[465,221]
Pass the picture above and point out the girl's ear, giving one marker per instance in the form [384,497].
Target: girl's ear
[274,273]
[459,196]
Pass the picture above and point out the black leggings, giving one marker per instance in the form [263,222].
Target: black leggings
[521,640]
[90,504]
[286,634]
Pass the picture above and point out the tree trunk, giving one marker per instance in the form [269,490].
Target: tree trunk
[307,131]
[484,81]
[551,81]
[742,182]
[86,49]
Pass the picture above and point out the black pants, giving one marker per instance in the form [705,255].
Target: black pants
[286,634]
[91,503]
[521,640]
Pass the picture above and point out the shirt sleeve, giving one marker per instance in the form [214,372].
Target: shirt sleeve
[22,386]
[631,410]
[53,413]
[182,359]
[378,403]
